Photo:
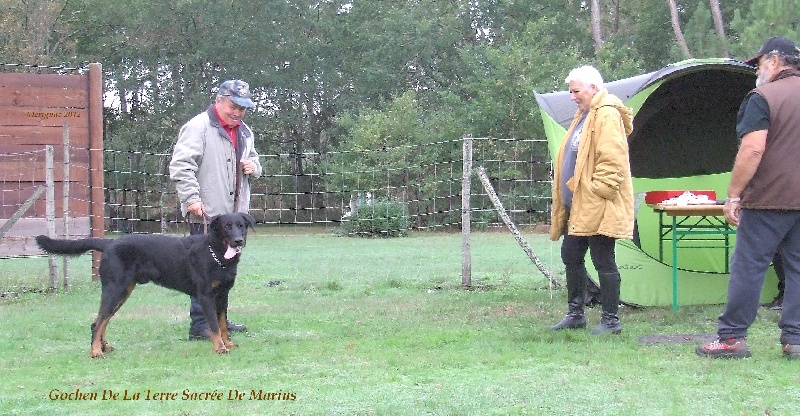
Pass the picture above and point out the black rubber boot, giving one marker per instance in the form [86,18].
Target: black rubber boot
[609,297]
[576,296]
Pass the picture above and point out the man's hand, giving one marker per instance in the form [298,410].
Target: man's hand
[196,209]
[248,167]
[731,210]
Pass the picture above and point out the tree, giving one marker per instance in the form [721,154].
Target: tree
[719,26]
[700,34]
[762,19]
[675,18]
[597,31]
[32,31]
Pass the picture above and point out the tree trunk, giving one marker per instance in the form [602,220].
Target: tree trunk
[597,32]
[719,27]
[676,27]
[617,18]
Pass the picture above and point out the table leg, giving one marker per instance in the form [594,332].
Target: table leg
[674,263]
[661,236]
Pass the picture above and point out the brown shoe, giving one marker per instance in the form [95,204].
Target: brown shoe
[791,351]
[725,348]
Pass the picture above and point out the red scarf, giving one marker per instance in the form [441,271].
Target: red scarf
[231,130]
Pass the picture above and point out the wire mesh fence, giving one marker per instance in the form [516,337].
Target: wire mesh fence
[326,189]
[385,192]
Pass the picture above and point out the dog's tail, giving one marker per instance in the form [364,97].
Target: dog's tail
[72,247]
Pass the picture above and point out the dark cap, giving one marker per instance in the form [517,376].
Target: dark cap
[238,91]
[777,44]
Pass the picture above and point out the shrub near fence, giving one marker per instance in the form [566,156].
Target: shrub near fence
[381,218]
[324,188]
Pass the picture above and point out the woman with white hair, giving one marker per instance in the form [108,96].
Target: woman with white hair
[593,196]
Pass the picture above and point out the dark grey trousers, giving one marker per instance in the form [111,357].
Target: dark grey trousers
[762,233]
[195,310]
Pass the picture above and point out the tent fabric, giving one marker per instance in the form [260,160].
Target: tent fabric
[684,138]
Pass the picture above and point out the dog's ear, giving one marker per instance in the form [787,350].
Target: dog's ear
[213,223]
[251,222]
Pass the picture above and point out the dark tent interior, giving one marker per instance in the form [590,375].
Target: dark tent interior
[687,126]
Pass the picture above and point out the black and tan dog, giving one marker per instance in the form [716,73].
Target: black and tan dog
[201,265]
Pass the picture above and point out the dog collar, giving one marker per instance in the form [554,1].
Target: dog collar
[214,255]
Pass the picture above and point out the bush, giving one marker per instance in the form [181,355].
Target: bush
[382,218]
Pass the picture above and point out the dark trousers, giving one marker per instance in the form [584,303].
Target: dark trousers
[762,233]
[195,310]
[600,247]
[777,264]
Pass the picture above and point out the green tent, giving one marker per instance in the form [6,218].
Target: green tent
[684,138]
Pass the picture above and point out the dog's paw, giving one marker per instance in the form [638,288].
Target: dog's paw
[97,354]
[220,347]
[107,347]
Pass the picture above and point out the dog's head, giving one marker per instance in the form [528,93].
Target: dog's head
[230,232]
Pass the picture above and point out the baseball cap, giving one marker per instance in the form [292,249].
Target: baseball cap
[238,91]
[777,44]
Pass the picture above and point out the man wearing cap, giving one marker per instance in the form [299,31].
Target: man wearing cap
[211,165]
[764,202]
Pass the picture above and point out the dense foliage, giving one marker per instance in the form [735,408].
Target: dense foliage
[360,84]
[325,71]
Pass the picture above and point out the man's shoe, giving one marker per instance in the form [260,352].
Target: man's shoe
[777,303]
[791,351]
[234,327]
[204,333]
[199,334]
[726,348]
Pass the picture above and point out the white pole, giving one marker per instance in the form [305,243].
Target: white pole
[466,217]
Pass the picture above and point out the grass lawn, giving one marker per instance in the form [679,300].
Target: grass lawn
[350,326]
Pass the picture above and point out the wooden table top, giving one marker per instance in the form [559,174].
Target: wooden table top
[688,210]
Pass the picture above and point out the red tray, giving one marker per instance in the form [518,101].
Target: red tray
[655,197]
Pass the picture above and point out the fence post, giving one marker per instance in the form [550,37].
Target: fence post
[50,210]
[466,217]
[97,200]
[65,211]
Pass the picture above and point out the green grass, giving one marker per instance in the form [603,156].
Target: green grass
[355,326]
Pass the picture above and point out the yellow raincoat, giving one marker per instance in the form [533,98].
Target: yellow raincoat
[602,202]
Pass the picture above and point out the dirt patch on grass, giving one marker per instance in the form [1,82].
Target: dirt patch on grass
[676,339]
[480,288]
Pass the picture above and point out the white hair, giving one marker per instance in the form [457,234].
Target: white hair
[587,75]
